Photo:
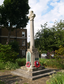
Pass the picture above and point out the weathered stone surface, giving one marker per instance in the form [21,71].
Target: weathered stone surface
[32,54]
[33,73]
[31,17]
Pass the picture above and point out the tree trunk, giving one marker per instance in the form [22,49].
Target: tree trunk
[8,39]
[16,33]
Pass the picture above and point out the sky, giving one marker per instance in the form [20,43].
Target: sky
[46,11]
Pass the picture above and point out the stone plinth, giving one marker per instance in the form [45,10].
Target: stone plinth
[34,73]
[32,55]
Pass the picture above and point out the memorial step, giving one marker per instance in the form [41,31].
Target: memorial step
[42,75]
[40,71]
[34,74]
[34,68]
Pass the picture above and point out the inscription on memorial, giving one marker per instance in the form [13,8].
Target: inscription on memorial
[28,57]
[36,58]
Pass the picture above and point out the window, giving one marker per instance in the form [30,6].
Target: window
[23,52]
[11,40]
[23,34]
[23,42]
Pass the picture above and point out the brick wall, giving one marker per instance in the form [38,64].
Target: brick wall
[20,38]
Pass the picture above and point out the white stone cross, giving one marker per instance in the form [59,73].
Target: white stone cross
[31,17]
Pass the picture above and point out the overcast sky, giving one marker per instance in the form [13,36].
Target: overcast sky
[46,11]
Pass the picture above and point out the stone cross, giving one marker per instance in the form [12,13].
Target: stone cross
[31,17]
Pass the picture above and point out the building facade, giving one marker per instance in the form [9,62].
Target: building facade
[19,34]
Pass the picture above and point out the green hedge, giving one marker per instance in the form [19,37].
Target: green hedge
[14,46]
[21,61]
[7,54]
[12,65]
[53,63]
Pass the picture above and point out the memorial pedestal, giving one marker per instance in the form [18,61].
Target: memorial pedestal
[32,55]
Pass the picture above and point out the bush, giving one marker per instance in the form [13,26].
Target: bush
[60,51]
[56,79]
[49,54]
[50,63]
[59,55]
[15,46]
[10,65]
[2,65]
[21,61]
[7,54]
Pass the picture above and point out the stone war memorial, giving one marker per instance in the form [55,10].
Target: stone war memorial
[32,70]
[32,55]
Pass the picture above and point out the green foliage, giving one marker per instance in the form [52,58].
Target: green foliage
[56,79]
[50,38]
[16,82]
[44,51]
[10,65]
[6,53]
[15,46]
[59,55]
[51,63]
[13,13]
[1,82]
[2,65]
[60,51]
[49,53]
[21,61]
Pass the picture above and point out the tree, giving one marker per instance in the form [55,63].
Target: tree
[13,13]
[59,34]
[50,38]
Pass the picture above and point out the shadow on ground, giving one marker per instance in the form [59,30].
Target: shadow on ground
[9,79]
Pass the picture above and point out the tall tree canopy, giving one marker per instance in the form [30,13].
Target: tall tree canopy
[13,13]
[50,38]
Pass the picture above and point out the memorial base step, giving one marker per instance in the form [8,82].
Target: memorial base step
[35,74]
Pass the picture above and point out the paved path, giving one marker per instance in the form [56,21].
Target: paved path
[8,78]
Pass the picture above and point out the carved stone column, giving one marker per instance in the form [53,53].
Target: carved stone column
[31,17]
[32,54]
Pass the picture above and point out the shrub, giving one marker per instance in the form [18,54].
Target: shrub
[2,65]
[10,65]
[15,46]
[60,51]
[7,54]
[59,55]
[56,79]
[50,63]
[21,61]
[49,54]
